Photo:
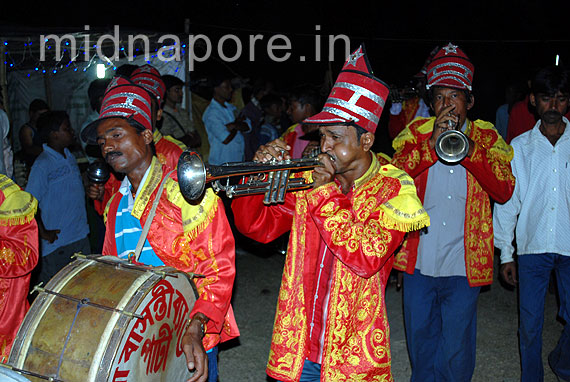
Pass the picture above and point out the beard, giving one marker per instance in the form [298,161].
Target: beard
[551,117]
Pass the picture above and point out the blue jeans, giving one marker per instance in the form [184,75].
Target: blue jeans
[534,274]
[311,372]
[440,316]
[213,364]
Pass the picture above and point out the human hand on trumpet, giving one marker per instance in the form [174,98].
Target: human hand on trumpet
[276,150]
[446,120]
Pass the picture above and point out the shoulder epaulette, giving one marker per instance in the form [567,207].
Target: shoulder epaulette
[18,206]
[404,212]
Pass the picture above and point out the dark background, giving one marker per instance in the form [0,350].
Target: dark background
[506,40]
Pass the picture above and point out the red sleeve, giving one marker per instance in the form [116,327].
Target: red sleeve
[365,246]
[18,249]
[493,174]
[261,222]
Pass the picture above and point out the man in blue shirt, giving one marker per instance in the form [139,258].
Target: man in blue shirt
[55,181]
[225,130]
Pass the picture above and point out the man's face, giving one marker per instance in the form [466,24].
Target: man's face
[123,146]
[445,97]
[550,107]
[224,90]
[341,144]
[297,112]
[174,94]
[65,134]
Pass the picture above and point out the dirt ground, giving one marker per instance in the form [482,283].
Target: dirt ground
[259,271]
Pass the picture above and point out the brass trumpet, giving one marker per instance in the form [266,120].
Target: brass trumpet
[271,179]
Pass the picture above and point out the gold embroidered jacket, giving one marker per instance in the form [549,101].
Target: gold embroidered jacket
[488,174]
[362,229]
[18,256]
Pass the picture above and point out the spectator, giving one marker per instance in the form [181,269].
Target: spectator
[30,143]
[302,104]
[55,181]
[254,112]
[95,92]
[225,130]
[272,106]
[538,213]
[176,121]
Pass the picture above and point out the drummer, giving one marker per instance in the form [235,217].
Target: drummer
[189,237]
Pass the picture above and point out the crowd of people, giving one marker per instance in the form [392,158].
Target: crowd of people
[368,219]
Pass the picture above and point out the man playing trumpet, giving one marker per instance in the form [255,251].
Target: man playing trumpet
[331,321]
[447,264]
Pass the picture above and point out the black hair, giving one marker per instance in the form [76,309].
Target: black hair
[217,79]
[550,80]
[50,121]
[359,131]
[96,90]
[37,105]
[306,95]
[170,81]
[431,91]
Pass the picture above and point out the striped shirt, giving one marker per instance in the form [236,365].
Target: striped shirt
[128,228]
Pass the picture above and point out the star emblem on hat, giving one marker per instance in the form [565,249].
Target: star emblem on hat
[353,58]
[145,69]
[450,48]
[129,100]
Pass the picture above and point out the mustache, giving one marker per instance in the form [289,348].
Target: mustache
[551,116]
[112,153]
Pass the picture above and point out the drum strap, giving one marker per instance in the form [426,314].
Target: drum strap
[151,214]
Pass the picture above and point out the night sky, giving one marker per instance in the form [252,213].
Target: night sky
[505,39]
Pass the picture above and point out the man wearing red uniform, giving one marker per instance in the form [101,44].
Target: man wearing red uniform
[448,263]
[18,257]
[189,237]
[168,149]
[331,322]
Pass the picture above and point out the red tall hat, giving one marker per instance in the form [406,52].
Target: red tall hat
[148,77]
[357,97]
[123,99]
[450,68]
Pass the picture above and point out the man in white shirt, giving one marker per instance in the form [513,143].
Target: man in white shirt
[540,211]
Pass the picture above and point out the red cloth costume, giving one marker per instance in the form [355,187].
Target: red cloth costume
[362,229]
[18,257]
[191,238]
[488,174]
[168,151]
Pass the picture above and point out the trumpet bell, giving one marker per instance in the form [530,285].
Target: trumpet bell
[452,146]
[191,175]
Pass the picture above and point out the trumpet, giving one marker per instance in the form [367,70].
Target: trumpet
[272,179]
[452,146]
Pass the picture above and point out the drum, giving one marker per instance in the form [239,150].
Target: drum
[103,319]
